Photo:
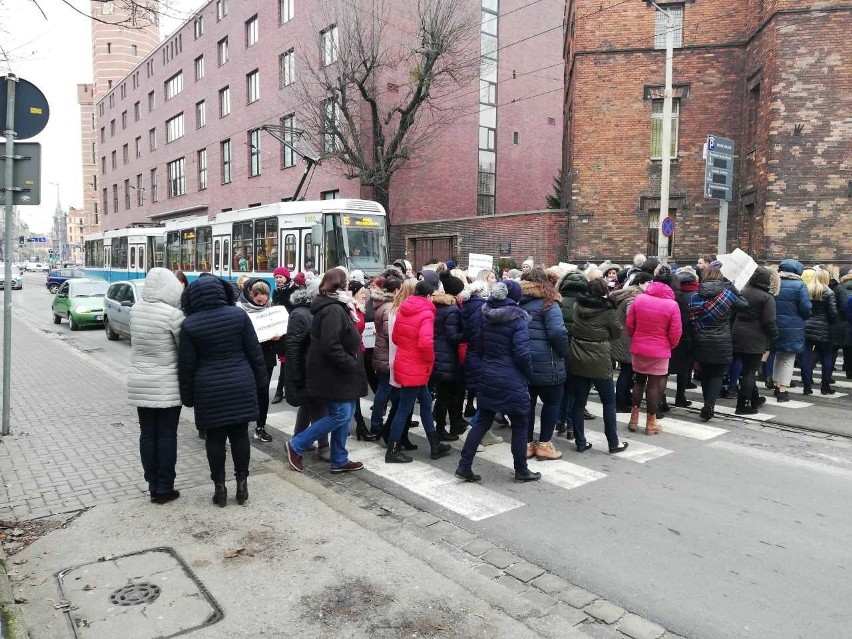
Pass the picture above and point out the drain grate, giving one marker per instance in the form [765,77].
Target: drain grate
[135,594]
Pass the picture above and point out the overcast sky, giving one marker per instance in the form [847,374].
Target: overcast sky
[55,55]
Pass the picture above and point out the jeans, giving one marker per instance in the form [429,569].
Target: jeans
[240,450]
[480,424]
[824,352]
[769,366]
[408,395]
[551,398]
[158,446]
[380,401]
[606,392]
[735,369]
[711,382]
[622,386]
[566,404]
[335,425]
[750,363]
[311,411]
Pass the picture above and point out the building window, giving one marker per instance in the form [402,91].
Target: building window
[137,112]
[487,92]
[111,128]
[654,233]
[101,109]
[127,195]
[115,198]
[198,27]
[174,85]
[288,157]
[177,177]
[114,163]
[330,195]
[125,153]
[149,68]
[251,31]
[103,135]
[676,12]
[753,112]
[152,139]
[140,191]
[174,128]
[139,147]
[657,128]
[201,161]
[331,121]
[123,120]
[123,90]
[329,42]
[155,191]
[226,161]
[252,86]
[109,47]
[254,153]
[286,62]
[221,9]
[134,50]
[199,68]
[103,165]
[222,51]
[200,114]
[150,101]
[224,102]
[285,11]
[105,201]
[516,137]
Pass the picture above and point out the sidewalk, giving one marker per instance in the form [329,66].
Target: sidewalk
[307,556]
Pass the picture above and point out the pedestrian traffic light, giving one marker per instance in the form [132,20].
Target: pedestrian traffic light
[21,240]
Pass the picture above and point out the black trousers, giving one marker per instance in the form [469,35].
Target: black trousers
[237,434]
[263,398]
[449,403]
[711,381]
[751,364]
[158,446]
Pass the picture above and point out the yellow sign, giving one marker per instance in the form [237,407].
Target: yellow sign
[364,222]
[35,111]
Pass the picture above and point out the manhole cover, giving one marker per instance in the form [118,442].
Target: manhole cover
[150,594]
[135,594]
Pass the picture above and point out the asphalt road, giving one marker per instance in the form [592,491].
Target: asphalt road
[744,532]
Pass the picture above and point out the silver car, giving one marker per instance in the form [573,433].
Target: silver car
[120,298]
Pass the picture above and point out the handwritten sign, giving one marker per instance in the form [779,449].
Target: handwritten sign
[368,338]
[738,267]
[270,322]
[477,262]
[568,268]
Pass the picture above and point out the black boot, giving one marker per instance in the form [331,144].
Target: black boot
[807,389]
[682,402]
[221,495]
[826,389]
[279,396]
[394,455]
[744,407]
[438,449]
[361,432]
[467,474]
[526,475]
[406,443]
[377,430]
[444,436]
[242,490]
[469,409]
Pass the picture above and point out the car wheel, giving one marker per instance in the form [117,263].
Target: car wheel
[57,319]
[74,326]
[53,288]
[111,334]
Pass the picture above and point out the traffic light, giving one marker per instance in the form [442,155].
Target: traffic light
[21,240]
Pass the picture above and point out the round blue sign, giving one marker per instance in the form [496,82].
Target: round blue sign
[668,226]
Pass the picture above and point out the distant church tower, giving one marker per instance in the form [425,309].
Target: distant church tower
[131,32]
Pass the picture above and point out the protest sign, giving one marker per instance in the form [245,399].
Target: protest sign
[270,322]
[477,262]
[737,267]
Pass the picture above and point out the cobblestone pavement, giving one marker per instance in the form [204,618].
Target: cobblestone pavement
[74,441]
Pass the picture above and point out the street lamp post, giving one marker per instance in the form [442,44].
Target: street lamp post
[665,178]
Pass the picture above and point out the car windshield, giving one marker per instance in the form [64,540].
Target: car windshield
[88,289]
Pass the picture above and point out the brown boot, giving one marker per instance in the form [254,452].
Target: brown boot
[546,450]
[651,425]
[531,450]
[633,426]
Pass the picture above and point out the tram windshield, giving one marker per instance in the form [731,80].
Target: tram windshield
[366,242]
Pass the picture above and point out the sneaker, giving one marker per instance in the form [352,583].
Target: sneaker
[490,439]
[294,458]
[348,467]
[261,434]
[546,451]
[324,453]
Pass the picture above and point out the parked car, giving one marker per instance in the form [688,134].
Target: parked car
[17,277]
[38,267]
[56,277]
[120,298]
[81,301]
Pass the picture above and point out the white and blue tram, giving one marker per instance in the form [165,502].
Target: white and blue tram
[255,241]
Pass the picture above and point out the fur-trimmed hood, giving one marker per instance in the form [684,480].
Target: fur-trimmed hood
[444,299]
[784,275]
[503,312]
[534,289]
[380,295]
[622,294]
[846,278]
[572,282]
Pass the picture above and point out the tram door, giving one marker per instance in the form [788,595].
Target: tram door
[222,255]
[136,263]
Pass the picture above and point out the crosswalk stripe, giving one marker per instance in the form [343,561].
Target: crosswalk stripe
[771,401]
[556,471]
[473,501]
[789,460]
[840,383]
[799,390]
[701,432]
[727,410]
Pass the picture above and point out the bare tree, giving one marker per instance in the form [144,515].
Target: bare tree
[383,98]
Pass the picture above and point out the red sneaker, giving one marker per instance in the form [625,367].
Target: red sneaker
[294,458]
[348,467]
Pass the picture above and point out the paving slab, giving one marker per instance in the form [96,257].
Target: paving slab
[577,597]
[605,611]
[637,627]
[500,558]
[525,571]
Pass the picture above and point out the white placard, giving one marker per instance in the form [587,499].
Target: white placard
[737,267]
[568,268]
[270,322]
[477,262]
[368,338]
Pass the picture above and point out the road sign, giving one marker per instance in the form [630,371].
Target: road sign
[719,168]
[38,240]
[668,226]
[31,109]
[27,175]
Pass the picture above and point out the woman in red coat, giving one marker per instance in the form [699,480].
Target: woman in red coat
[413,334]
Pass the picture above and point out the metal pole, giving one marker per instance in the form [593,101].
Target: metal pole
[662,240]
[722,249]
[9,132]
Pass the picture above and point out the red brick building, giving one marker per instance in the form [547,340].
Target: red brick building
[773,75]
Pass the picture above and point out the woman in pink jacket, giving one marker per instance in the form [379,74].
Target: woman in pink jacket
[653,322]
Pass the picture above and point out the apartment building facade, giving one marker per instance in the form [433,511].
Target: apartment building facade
[178,134]
[773,75]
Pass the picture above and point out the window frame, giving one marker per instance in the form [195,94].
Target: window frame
[252,30]
[199,67]
[224,102]
[176,176]
[678,11]
[286,68]
[286,11]
[226,161]
[201,164]
[253,86]
[657,129]
[255,154]
[329,45]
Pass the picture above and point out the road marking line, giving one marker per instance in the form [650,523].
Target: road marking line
[771,401]
[788,460]
[701,432]
[557,471]
[730,410]
[799,391]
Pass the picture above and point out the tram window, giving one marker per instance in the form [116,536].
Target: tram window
[290,251]
[217,249]
[203,242]
[119,253]
[308,252]
[142,265]
[173,250]
[133,257]
[266,243]
[225,251]
[243,253]
[187,250]
[157,249]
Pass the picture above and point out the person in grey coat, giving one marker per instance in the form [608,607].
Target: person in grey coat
[152,382]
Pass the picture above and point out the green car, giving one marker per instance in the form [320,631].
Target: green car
[80,300]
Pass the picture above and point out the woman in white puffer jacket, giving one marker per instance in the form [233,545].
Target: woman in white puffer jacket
[152,383]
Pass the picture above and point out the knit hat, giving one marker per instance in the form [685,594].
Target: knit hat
[514,290]
[663,273]
[357,275]
[355,286]
[424,288]
[685,272]
[300,279]
[715,264]
[432,278]
[453,285]
[514,273]
[451,264]
[791,266]
[528,264]
[403,265]
[281,271]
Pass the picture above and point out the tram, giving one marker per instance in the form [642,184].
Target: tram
[300,235]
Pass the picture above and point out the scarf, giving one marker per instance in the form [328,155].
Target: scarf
[706,312]
[345,297]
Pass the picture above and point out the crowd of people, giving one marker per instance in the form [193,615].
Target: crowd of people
[471,351]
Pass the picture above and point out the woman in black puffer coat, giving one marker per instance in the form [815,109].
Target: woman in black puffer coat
[818,333]
[297,343]
[222,376]
[446,375]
